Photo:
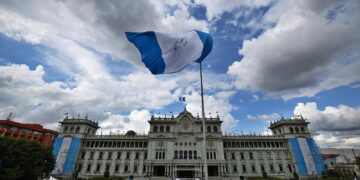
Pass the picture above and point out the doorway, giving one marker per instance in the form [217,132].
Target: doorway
[185,172]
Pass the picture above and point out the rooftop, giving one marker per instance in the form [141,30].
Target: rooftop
[33,127]
[296,120]
[84,120]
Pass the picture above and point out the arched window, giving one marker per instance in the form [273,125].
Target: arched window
[279,131]
[155,128]
[66,129]
[215,129]
[161,128]
[291,130]
[181,155]
[77,130]
[302,130]
[176,155]
[185,154]
[208,129]
[88,131]
[72,130]
[297,130]
[167,128]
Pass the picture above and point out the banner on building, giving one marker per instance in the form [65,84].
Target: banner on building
[65,151]
[307,156]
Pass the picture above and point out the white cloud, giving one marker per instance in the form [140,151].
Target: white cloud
[75,37]
[341,118]
[215,8]
[23,89]
[24,92]
[98,25]
[264,117]
[218,102]
[331,140]
[304,53]
[333,126]
[136,120]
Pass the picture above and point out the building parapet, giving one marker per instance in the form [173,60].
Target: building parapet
[297,120]
[117,136]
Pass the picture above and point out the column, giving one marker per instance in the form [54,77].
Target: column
[151,170]
[169,170]
[175,170]
[219,169]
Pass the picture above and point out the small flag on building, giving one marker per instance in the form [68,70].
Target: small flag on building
[169,53]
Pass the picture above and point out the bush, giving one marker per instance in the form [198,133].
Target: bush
[21,159]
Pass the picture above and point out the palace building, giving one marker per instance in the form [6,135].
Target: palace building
[172,149]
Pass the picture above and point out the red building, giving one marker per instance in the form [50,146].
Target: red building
[30,132]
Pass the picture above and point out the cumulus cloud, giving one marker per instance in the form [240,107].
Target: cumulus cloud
[75,38]
[25,92]
[335,140]
[333,126]
[125,99]
[341,118]
[306,52]
[215,103]
[116,123]
[94,24]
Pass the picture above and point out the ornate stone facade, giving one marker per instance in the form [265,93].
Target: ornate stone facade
[173,149]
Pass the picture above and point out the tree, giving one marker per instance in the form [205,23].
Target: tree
[20,159]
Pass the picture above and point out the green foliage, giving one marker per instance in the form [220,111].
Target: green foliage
[20,159]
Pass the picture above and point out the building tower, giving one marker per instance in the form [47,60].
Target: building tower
[67,144]
[291,127]
[305,152]
[77,127]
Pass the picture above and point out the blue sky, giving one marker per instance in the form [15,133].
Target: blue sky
[270,59]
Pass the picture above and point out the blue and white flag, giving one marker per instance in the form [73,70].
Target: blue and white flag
[65,152]
[169,53]
[307,156]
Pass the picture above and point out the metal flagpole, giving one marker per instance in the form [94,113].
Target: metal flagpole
[203,124]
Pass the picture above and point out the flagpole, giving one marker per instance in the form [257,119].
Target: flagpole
[203,125]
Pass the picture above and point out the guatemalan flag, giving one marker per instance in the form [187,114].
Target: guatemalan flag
[169,53]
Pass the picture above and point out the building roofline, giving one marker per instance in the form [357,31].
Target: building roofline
[29,126]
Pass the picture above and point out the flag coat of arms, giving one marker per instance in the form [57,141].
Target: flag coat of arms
[169,53]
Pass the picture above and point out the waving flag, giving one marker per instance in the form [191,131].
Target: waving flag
[169,53]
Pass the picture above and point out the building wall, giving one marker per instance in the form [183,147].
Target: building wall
[168,151]
[29,132]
